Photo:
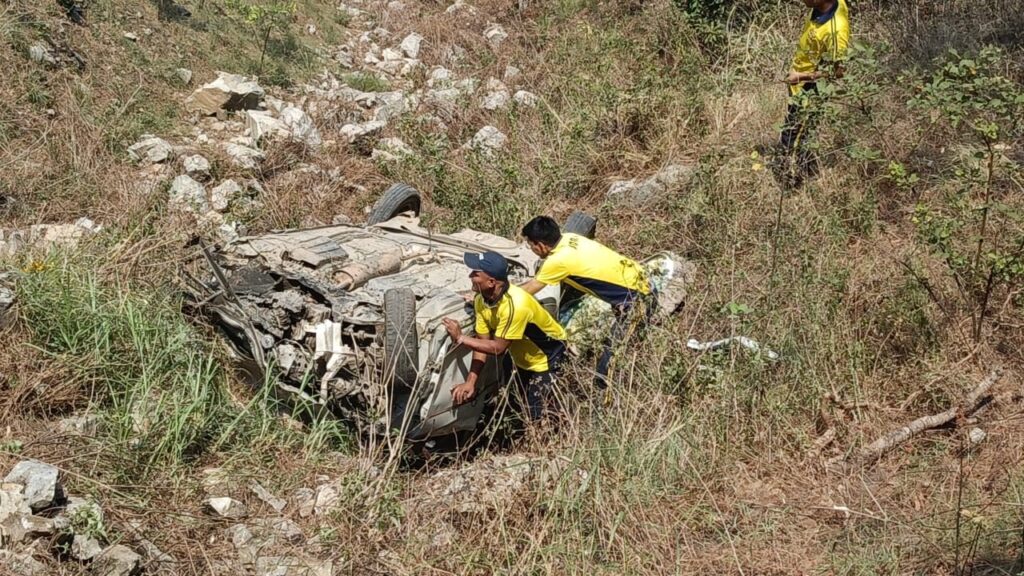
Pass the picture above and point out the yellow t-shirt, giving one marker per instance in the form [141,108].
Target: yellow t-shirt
[594,269]
[824,38]
[536,339]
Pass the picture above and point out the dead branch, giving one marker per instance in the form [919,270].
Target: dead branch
[968,405]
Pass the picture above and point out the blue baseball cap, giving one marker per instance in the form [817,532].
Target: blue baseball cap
[493,264]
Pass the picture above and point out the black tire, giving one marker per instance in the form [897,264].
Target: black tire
[395,200]
[401,343]
[581,223]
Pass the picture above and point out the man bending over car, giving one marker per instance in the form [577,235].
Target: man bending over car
[595,269]
[509,319]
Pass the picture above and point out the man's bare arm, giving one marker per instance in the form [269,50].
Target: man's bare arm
[533,286]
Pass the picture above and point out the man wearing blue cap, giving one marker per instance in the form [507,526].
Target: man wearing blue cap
[508,319]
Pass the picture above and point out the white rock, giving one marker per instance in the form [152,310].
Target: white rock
[131,36]
[227,92]
[487,140]
[12,501]
[222,194]
[118,560]
[461,6]
[301,127]
[395,6]
[40,481]
[40,52]
[188,195]
[497,96]
[227,507]
[495,35]
[304,499]
[439,77]
[467,86]
[243,156]
[391,55]
[453,54]
[511,73]
[88,425]
[85,548]
[326,497]
[196,166]
[410,46]
[635,191]
[391,149]
[393,105]
[262,125]
[265,495]
[22,564]
[358,134]
[290,566]
[150,149]
[524,98]
[183,74]
[444,101]
[284,528]
[229,232]
[976,435]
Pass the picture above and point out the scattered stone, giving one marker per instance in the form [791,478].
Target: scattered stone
[669,177]
[393,105]
[243,156]
[524,98]
[131,36]
[42,489]
[410,46]
[481,487]
[327,496]
[46,236]
[154,555]
[300,127]
[13,506]
[495,35]
[391,149]
[285,529]
[84,507]
[118,560]
[222,195]
[445,102]
[7,299]
[197,167]
[487,140]
[88,425]
[461,6]
[228,92]
[262,125]
[215,480]
[150,149]
[341,220]
[497,96]
[188,195]
[227,507]
[263,494]
[184,74]
[976,435]
[40,52]
[304,500]
[21,564]
[453,54]
[84,548]
[396,6]
[439,77]
[360,135]
[511,73]
[290,566]
[467,86]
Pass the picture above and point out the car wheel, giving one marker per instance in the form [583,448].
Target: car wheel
[397,199]
[581,223]
[401,343]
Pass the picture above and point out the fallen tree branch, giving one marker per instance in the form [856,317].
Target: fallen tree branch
[969,404]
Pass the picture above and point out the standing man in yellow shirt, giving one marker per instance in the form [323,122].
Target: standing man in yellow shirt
[595,269]
[508,319]
[819,55]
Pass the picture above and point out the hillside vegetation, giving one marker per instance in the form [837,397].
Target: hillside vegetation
[890,285]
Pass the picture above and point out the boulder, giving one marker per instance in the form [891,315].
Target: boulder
[188,195]
[410,45]
[524,98]
[196,166]
[495,34]
[640,191]
[118,560]
[42,488]
[150,149]
[300,127]
[487,140]
[497,96]
[222,194]
[227,507]
[85,548]
[243,156]
[228,92]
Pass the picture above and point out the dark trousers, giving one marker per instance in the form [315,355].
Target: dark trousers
[802,118]
[631,319]
[532,393]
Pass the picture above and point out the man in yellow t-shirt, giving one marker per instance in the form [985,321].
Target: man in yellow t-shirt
[820,52]
[508,319]
[595,269]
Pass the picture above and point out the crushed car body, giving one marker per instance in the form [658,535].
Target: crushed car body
[348,317]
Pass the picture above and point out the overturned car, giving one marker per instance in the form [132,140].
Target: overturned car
[348,318]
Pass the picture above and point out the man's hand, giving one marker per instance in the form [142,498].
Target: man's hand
[463,393]
[453,328]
